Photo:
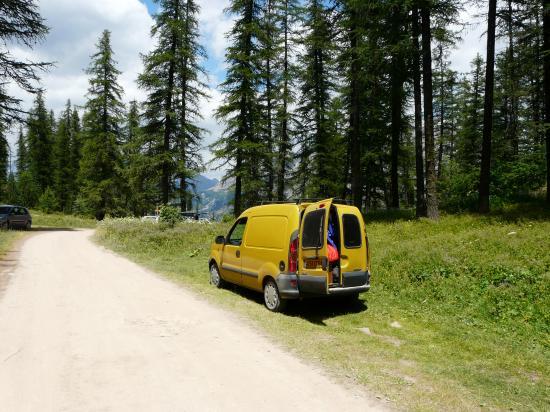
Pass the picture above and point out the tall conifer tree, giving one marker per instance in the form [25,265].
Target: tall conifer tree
[40,144]
[240,147]
[173,79]
[63,172]
[100,185]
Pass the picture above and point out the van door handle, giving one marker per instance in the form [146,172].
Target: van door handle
[238,253]
[344,256]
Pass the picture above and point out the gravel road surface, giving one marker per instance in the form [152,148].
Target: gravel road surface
[82,329]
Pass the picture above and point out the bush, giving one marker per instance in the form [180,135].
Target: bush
[47,201]
[228,218]
[169,215]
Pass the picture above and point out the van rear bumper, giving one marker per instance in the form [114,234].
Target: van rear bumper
[292,286]
[287,283]
[353,283]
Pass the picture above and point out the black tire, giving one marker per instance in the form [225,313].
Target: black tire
[272,298]
[8,226]
[28,226]
[215,277]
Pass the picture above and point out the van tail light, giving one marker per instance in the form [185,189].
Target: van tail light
[293,256]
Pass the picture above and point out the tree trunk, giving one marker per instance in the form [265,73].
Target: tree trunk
[269,104]
[396,105]
[355,117]
[431,188]
[485,175]
[184,86]
[420,190]
[283,146]
[546,54]
[441,112]
[513,125]
[165,178]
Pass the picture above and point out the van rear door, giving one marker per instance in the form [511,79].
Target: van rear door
[354,256]
[313,268]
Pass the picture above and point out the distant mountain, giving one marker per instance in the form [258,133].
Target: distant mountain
[215,197]
[202,183]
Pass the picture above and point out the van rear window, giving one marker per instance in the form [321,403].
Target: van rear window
[314,225]
[352,231]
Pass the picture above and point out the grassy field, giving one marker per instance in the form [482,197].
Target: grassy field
[58,220]
[457,317]
[7,238]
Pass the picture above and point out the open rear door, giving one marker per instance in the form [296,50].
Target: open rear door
[313,267]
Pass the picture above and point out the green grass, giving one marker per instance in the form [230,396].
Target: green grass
[470,293]
[59,220]
[7,238]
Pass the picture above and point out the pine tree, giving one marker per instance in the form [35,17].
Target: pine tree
[22,161]
[189,72]
[75,153]
[314,129]
[63,172]
[99,183]
[172,78]
[485,175]
[546,54]
[470,124]
[352,59]
[4,162]
[397,45]
[240,147]
[21,24]
[139,170]
[418,136]
[287,14]
[39,140]
[431,189]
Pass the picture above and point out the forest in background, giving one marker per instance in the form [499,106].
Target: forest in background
[338,98]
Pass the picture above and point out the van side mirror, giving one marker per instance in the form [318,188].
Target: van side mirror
[220,240]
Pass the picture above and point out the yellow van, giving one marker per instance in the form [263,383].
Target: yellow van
[294,250]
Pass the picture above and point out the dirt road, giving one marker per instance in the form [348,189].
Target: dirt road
[82,329]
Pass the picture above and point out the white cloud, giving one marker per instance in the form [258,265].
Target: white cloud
[75,27]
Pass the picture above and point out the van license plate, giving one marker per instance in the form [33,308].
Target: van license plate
[313,263]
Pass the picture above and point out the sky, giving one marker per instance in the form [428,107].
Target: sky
[75,26]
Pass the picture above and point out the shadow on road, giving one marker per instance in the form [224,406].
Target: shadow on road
[35,229]
[314,310]
[51,229]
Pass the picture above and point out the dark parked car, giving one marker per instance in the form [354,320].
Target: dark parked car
[15,217]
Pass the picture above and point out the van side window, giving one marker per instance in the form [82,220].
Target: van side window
[352,231]
[236,236]
[314,225]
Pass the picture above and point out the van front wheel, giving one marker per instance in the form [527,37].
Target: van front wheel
[215,277]
[272,298]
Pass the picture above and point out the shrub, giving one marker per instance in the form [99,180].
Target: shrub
[47,201]
[169,215]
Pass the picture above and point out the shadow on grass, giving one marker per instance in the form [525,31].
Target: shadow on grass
[389,215]
[314,310]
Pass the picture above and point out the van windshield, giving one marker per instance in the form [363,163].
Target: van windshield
[314,225]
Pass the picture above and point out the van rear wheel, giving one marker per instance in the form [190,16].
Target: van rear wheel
[215,277]
[272,298]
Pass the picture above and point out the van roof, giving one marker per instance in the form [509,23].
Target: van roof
[274,208]
[291,206]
